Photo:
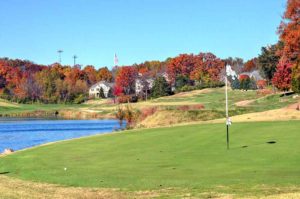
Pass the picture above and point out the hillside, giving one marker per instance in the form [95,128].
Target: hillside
[194,106]
[205,105]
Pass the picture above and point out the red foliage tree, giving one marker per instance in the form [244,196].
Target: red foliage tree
[243,77]
[11,75]
[125,79]
[117,90]
[282,76]
[212,65]
[250,65]
[180,65]
[289,31]
[197,67]
[261,84]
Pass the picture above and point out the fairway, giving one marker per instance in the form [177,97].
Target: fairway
[190,157]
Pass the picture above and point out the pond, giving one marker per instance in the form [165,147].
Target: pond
[20,133]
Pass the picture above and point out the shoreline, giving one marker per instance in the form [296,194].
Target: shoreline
[218,121]
[62,114]
[59,141]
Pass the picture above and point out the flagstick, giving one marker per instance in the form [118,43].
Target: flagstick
[227,124]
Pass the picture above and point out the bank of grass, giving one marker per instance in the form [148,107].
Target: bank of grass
[185,159]
[13,108]
[213,101]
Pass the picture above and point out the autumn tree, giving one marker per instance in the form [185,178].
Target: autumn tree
[91,75]
[28,89]
[47,79]
[250,65]
[282,76]
[207,68]
[204,67]
[180,65]
[104,75]
[151,68]
[289,31]
[125,79]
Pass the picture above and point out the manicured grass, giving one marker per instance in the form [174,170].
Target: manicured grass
[190,157]
[21,108]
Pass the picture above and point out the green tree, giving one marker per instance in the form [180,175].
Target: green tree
[102,93]
[268,60]
[235,84]
[245,84]
[181,81]
[160,88]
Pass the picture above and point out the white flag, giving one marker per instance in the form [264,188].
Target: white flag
[230,72]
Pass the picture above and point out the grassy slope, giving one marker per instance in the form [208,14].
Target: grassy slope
[8,107]
[212,99]
[214,102]
[188,157]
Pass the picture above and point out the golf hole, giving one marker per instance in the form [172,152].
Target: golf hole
[271,142]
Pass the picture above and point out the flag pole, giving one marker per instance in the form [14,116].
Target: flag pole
[227,117]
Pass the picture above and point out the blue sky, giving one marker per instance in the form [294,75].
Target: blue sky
[137,30]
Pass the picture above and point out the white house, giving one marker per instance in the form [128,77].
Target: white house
[142,80]
[140,83]
[94,91]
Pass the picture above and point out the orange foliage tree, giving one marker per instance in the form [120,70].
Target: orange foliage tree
[250,65]
[125,79]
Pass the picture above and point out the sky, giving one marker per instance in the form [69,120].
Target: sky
[136,30]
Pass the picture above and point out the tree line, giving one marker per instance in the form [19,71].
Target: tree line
[25,82]
[279,64]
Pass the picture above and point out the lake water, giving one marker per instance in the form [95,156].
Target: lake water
[16,133]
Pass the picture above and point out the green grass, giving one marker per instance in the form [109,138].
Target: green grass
[213,101]
[190,157]
[37,107]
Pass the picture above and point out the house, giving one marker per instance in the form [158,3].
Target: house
[143,84]
[107,88]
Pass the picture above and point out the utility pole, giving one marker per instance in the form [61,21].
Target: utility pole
[59,55]
[75,57]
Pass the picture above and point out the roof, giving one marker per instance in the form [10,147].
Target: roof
[254,74]
[110,85]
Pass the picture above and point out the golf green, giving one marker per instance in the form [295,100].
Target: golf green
[192,157]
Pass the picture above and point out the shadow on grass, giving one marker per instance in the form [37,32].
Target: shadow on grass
[3,173]
[246,146]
